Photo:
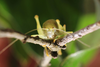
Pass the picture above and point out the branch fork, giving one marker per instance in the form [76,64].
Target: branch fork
[59,44]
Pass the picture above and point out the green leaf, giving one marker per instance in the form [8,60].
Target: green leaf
[55,62]
[79,58]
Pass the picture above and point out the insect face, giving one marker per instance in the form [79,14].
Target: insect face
[50,33]
[50,26]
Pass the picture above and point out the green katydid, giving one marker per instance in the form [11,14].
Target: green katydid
[52,30]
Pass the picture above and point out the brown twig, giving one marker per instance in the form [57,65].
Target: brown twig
[49,43]
[79,34]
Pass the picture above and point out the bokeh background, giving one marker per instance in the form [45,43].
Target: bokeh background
[76,14]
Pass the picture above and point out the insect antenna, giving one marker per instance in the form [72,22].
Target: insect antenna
[30,31]
[8,46]
[83,43]
[15,41]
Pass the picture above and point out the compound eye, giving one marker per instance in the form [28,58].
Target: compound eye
[54,54]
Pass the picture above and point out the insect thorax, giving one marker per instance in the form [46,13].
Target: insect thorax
[53,33]
[50,28]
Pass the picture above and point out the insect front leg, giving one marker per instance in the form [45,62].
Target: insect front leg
[60,52]
[39,29]
[47,51]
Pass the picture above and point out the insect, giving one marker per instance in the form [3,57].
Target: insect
[51,30]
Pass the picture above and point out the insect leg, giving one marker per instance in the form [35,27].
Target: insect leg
[64,27]
[63,47]
[39,29]
[46,50]
[15,41]
[59,25]
[83,43]
[59,52]
[69,32]
[8,46]
[54,40]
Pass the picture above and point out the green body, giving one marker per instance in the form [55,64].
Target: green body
[52,29]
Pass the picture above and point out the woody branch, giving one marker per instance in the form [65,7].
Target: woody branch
[78,34]
[49,43]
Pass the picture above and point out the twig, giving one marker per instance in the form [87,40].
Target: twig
[14,34]
[49,43]
[36,40]
[78,34]
[45,60]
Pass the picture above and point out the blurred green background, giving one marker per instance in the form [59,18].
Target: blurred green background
[76,14]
